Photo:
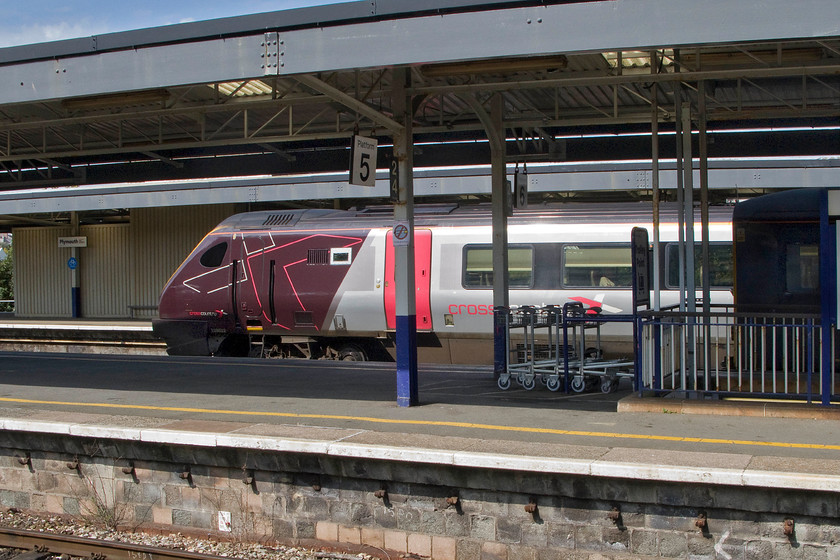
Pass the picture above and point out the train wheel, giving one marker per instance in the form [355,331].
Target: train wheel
[234,345]
[351,353]
[553,383]
[578,384]
[529,383]
[504,382]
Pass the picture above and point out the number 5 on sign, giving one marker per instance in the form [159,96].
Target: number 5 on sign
[363,161]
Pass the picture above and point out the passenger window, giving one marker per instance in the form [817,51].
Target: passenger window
[478,267]
[214,256]
[720,265]
[604,266]
[803,269]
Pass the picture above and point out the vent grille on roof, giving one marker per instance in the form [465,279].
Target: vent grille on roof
[279,219]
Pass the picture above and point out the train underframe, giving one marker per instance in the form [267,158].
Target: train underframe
[199,338]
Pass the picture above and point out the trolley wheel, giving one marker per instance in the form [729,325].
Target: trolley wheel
[609,385]
[578,384]
[529,383]
[351,353]
[553,383]
[503,382]
[593,353]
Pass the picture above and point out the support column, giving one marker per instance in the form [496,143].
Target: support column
[678,126]
[688,200]
[704,197]
[406,335]
[500,195]
[75,274]
[654,177]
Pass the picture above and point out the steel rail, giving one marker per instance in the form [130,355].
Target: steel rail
[93,548]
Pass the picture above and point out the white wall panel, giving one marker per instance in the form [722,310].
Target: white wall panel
[104,266]
[42,277]
[161,238]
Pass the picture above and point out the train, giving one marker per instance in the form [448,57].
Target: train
[319,283]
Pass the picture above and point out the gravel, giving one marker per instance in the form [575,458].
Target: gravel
[60,525]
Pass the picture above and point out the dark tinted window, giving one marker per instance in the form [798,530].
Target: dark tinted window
[214,256]
[720,265]
[802,270]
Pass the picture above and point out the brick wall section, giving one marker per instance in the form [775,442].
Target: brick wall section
[309,499]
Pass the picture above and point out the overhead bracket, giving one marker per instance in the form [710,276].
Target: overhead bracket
[271,53]
[350,102]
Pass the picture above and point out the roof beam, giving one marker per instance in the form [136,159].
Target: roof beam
[350,102]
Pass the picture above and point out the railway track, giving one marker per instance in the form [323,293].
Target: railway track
[41,545]
[38,545]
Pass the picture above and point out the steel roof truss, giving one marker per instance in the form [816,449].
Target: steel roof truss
[351,103]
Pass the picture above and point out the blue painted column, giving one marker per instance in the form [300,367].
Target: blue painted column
[75,275]
[501,208]
[407,392]
[828,296]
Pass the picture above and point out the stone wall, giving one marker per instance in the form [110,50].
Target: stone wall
[443,512]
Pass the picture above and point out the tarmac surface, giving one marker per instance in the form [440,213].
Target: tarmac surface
[463,418]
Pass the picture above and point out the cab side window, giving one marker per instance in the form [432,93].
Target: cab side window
[214,256]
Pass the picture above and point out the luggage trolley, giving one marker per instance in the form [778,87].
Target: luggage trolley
[530,362]
[524,366]
[586,367]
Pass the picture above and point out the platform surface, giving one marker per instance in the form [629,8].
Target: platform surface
[349,409]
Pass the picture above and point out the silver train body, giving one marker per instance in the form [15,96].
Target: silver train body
[344,308]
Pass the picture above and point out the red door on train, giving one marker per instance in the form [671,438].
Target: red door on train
[422,280]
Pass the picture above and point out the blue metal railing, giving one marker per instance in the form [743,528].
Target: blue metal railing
[723,353]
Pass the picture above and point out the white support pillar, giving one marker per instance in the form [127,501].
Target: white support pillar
[406,335]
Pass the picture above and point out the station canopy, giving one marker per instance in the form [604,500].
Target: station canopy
[283,92]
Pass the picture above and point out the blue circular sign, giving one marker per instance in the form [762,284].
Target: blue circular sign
[72,263]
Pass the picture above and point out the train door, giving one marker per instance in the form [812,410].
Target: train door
[251,288]
[422,280]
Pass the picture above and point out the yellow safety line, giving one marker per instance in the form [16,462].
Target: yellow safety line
[471,425]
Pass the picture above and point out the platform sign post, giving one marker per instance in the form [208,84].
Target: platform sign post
[641,291]
[641,267]
[363,161]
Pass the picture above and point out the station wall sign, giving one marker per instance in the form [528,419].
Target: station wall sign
[363,161]
[79,241]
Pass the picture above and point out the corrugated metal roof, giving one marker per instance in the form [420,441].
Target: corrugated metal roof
[176,127]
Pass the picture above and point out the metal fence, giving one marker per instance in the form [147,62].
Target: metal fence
[736,354]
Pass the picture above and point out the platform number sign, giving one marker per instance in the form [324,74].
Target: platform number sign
[520,189]
[363,161]
[394,180]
